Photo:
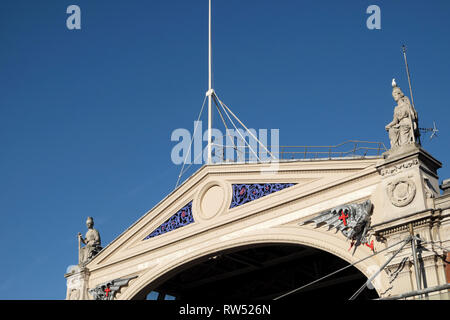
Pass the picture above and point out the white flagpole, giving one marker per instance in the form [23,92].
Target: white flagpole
[415,130]
[210,90]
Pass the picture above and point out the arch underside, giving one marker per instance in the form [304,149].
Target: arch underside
[262,270]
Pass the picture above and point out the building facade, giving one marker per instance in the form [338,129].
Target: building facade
[403,230]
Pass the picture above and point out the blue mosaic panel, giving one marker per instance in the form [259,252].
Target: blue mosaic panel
[244,193]
[180,219]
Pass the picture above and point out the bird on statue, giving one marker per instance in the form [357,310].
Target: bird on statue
[394,84]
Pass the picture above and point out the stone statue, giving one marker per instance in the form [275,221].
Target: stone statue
[92,243]
[404,127]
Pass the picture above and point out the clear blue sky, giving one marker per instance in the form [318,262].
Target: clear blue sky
[86,115]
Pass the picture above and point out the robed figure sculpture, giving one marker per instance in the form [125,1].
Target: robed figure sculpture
[92,243]
[404,127]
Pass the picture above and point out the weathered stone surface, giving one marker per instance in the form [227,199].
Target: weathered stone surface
[404,128]
[92,243]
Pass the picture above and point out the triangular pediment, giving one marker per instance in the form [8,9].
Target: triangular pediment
[219,194]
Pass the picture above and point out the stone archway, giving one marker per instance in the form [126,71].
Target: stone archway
[236,205]
[315,239]
[260,272]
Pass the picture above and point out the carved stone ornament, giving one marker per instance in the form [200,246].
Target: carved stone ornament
[430,191]
[399,168]
[74,294]
[107,290]
[401,192]
[353,220]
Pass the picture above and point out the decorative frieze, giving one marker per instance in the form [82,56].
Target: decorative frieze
[244,193]
[393,170]
[424,220]
[180,219]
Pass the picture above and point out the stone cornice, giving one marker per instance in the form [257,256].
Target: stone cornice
[406,159]
[426,217]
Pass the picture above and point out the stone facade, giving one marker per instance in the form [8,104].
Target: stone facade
[416,208]
[77,280]
[319,185]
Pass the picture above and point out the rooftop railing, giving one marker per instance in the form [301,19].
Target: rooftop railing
[347,149]
[350,148]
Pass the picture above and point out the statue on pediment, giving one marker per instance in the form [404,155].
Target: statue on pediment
[91,241]
[404,128]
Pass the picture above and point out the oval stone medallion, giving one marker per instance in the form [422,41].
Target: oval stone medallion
[211,202]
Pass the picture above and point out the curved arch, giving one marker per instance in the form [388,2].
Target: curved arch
[315,238]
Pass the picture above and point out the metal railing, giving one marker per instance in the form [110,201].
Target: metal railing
[353,148]
[350,148]
[244,154]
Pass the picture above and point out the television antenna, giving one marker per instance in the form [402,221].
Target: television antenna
[433,130]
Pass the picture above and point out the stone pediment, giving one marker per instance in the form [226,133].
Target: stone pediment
[203,203]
